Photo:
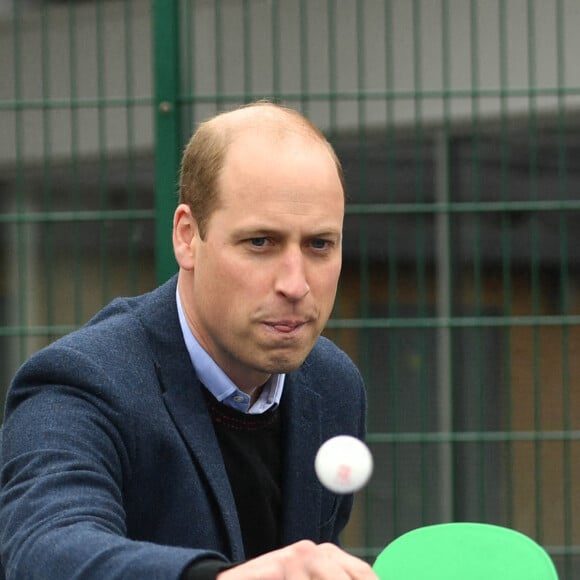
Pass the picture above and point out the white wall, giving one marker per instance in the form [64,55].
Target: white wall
[60,58]
[313,48]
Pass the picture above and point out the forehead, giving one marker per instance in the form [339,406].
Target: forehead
[275,179]
[257,159]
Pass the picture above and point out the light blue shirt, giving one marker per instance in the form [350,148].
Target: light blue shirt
[219,384]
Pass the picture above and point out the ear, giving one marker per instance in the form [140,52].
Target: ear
[185,236]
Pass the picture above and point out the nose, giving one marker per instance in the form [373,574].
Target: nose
[291,279]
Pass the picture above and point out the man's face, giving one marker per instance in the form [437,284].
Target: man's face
[262,284]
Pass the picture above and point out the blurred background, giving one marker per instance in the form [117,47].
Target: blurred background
[457,122]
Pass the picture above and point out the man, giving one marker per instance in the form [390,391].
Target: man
[174,436]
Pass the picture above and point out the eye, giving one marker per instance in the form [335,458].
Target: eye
[258,242]
[320,244]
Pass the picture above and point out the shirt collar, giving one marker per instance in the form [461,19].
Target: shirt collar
[219,384]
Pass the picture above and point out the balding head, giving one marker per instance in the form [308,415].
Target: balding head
[206,152]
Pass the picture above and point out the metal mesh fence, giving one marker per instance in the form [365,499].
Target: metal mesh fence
[456,121]
[76,203]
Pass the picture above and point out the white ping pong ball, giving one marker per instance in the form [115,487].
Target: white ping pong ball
[343,464]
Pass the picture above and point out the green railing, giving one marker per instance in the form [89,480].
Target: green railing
[457,124]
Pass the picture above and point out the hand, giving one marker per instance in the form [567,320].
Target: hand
[303,560]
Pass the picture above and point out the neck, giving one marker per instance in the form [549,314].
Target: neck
[255,393]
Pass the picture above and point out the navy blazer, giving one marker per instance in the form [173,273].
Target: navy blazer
[111,468]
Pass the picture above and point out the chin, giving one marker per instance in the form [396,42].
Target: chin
[284,364]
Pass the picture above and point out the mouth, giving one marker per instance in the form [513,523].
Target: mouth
[287,327]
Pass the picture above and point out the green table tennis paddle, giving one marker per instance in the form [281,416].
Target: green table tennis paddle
[464,551]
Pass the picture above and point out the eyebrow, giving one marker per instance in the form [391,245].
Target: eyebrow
[259,232]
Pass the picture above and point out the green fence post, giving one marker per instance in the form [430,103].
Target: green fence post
[167,129]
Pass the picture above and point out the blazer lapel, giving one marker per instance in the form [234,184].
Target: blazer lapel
[187,406]
[302,491]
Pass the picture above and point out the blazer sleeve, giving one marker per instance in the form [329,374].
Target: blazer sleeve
[63,466]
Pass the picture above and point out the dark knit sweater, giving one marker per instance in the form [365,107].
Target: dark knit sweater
[251,450]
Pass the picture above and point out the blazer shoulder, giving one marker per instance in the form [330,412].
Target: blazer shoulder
[120,337]
[330,365]
[326,354]
[148,306]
